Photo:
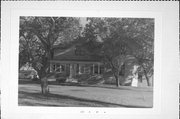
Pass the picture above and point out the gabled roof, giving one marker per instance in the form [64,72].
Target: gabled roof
[70,54]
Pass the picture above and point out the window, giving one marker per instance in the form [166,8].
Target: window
[57,67]
[62,68]
[52,67]
[79,51]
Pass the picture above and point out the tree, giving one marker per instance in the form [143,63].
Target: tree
[115,38]
[145,55]
[38,35]
[139,41]
[103,42]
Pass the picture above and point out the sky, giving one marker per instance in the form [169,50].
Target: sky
[83,21]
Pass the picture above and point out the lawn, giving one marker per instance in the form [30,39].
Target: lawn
[85,96]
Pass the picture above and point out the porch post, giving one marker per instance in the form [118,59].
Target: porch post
[93,70]
[60,68]
[75,66]
[79,69]
[98,68]
[50,67]
[71,71]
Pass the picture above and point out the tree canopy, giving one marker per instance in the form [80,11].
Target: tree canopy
[39,35]
[115,38]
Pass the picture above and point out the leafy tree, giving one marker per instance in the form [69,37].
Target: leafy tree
[38,36]
[115,38]
[145,55]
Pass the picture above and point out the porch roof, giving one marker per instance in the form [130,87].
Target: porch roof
[75,62]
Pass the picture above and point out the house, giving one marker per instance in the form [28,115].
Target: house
[74,61]
[27,72]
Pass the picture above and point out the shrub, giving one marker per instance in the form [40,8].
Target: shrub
[60,77]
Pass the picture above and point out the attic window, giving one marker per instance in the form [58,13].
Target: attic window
[79,51]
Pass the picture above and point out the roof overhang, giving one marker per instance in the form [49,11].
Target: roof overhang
[75,62]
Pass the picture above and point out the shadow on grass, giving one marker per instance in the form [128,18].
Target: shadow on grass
[110,87]
[39,98]
[107,86]
[28,81]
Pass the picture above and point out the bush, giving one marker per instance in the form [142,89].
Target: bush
[60,77]
[110,80]
[82,77]
[35,78]
[57,75]
[96,79]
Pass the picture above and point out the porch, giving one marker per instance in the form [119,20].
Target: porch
[74,68]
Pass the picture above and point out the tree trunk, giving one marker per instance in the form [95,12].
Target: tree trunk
[44,80]
[116,76]
[117,80]
[115,73]
[147,78]
[44,86]
[44,72]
